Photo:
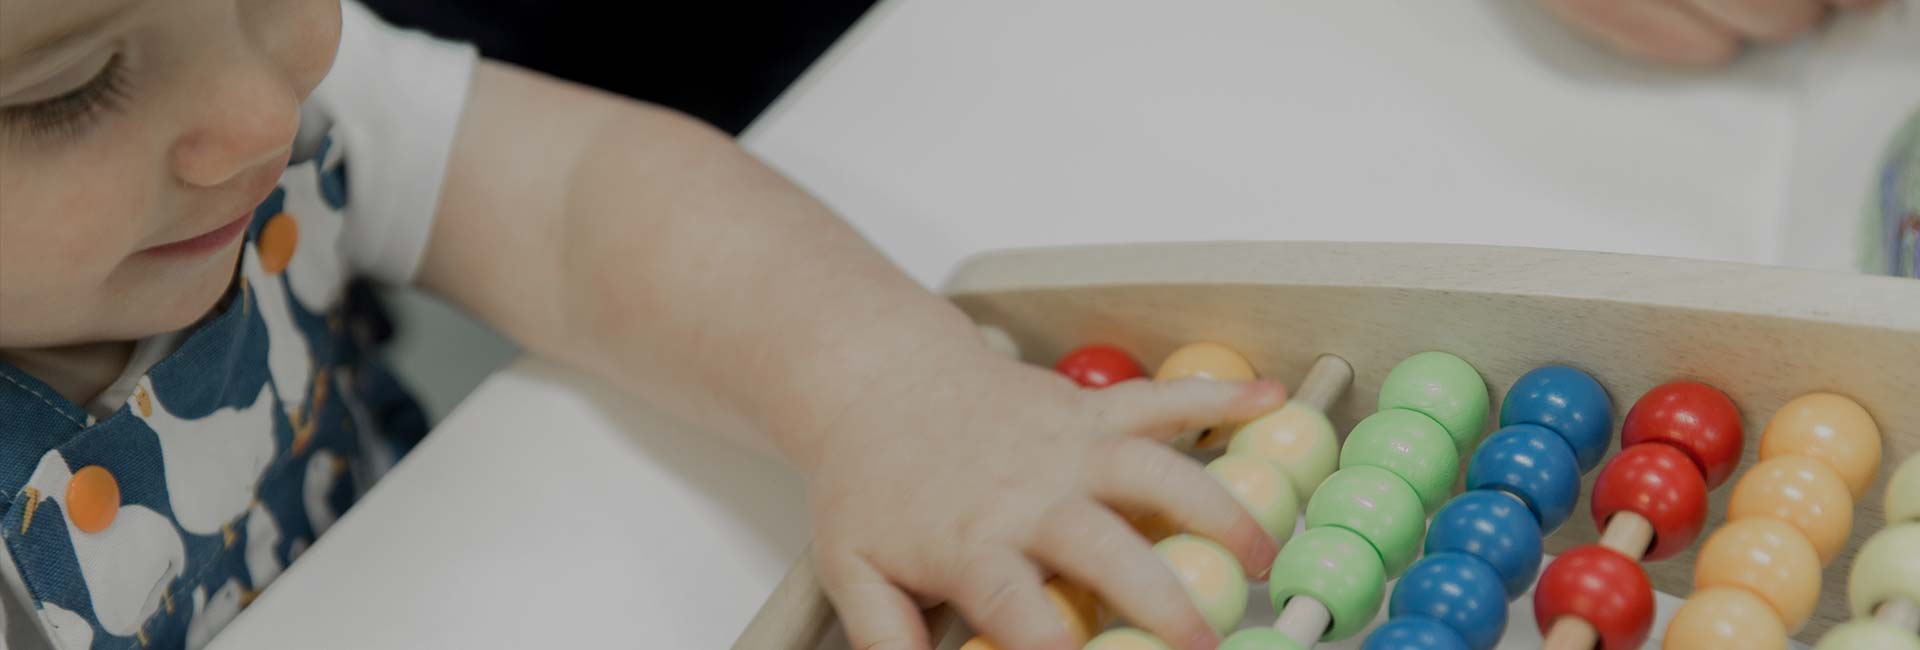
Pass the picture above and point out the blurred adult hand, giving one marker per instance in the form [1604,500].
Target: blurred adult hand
[1698,33]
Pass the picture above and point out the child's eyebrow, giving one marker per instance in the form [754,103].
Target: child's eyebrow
[63,36]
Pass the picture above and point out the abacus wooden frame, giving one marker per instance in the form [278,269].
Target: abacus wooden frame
[1764,335]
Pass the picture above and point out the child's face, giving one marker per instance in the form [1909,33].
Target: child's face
[135,138]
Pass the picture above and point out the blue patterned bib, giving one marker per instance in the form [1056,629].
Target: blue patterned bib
[153,527]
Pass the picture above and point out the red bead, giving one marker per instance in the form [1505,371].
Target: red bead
[1659,483]
[1602,587]
[1098,366]
[1695,417]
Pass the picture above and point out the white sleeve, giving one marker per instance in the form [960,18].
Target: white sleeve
[392,104]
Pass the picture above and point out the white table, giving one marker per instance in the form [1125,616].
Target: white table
[545,513]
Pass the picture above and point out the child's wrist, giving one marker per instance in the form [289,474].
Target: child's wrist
[899,377]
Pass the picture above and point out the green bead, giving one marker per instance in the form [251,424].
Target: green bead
[1259,638]
[1337,568]
[1412,446]
[1445,388]
[1378,506]
[1299,439]
[1125,638]
[1213,578]
[1262,489]
[1866,634]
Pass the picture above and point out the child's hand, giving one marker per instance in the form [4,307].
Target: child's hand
[1695,32]
[970,487]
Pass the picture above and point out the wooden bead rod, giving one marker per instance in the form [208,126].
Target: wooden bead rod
[1630,534]
[1304,620]
[1902,613]
[1325,382]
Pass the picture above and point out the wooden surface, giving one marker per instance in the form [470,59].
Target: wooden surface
[795,616]
[1761,334]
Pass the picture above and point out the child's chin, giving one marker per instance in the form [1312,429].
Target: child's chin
[199,295]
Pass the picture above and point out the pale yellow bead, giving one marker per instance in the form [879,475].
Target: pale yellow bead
[1297,438]
[1887,568]
[1213,578]
[1903,493]
[1125,639]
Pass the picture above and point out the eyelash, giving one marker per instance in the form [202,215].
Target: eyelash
[69,115]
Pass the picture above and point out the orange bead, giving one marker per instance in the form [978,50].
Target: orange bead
[277,241]
[1831,428]
[1725,618]
[1211,361]
[1205,359]
[1800,491]
[1767,557]
[1078,608]
[93,499]
[1153,526]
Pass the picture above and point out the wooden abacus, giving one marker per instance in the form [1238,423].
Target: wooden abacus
[1761,335]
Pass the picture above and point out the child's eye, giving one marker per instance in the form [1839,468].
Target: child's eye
[70,114]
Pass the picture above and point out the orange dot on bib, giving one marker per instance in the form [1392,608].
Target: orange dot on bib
[276,243]
[93,499]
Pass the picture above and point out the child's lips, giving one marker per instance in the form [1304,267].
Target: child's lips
[258,188]
[203,244]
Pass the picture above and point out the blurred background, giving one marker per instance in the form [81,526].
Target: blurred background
[723,62]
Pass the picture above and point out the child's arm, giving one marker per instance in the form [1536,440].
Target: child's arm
[649,250]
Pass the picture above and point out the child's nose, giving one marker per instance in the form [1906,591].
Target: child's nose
[239,123]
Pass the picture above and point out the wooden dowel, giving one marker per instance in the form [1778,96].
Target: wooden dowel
[1902,613]
[795,616]
[1304,620]
[1325,381]
[1631,535]
[1570,633]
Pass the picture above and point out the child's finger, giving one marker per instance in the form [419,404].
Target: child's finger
[1662,30]
[1162,410]
[1138,474]
[1765,20]
[1095,548]
[875,613]
[999,593]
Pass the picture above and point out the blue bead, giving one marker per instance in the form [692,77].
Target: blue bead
[1495,528]
[1569,402]
[1457,590]
[1533,463]
[1414,633]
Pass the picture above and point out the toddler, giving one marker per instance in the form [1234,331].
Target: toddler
[194,193]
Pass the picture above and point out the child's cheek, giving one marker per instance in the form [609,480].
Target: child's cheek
[302,36]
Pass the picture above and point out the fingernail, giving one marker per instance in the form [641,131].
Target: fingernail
[1204,641]
[1267,389]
